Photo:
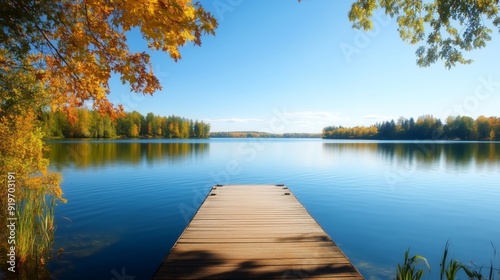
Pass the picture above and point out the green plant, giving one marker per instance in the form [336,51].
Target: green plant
[409,271]
[476,274]
[35,233]
[451,269]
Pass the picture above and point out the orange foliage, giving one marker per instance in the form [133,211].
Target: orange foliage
[78,45]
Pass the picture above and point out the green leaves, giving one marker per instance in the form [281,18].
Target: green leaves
[361,12]
[409,271]
[444,29]
[448,271]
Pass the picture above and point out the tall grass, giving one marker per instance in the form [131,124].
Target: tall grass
[493,273]
[409,271]
[34,234]
[449,269]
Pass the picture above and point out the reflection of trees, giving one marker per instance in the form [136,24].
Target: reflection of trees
[89,153]
[424,152]
[428,153]
[468,153]
[351,146]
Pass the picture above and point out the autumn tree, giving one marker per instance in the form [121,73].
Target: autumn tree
[428,127]
[102,127]
[184,128]
[79,45]
[34,188]
[481,128]
[149,122]
[495,128]
[444,30]
[60,55]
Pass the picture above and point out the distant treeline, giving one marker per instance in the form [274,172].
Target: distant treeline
[426,127]
[257,134]
[90,124]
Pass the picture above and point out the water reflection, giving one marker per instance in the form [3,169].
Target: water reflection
[458,154]
[88,153]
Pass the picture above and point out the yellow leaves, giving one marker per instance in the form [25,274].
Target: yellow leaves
[360,14]
[22,152]
[151,6]
[84,43]
[172,24]
[187,35]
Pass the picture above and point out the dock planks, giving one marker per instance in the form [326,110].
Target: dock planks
[254,232]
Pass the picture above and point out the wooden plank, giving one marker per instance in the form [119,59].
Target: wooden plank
[254,232]
[268,261]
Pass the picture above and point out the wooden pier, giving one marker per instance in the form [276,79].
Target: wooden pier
[254,232]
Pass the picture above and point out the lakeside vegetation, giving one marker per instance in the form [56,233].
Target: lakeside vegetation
[426,127]
[90,124]
[413,268]
[260,134]
[62,54]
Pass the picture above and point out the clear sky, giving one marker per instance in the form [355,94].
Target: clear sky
[283,66]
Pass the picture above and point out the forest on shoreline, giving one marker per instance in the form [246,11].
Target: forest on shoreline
[260,134]
[90,124]
[426,127]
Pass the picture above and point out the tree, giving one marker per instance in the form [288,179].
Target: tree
[136,119]
[460,127]
[387,130]
[82,126]
[428,127]
[173,130]
[184,128]
[445,29]
[495,127]
[77,45]
[60,54]
[149,124]
[482,129]
[33,186]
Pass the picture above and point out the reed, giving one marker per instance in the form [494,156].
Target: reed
[477,273]
[409,271]
[35,233]
[449,268]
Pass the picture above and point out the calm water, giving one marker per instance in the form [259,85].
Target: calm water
[128,201]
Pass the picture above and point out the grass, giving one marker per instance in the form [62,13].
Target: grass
[409,271]
[34,234]
[449,269]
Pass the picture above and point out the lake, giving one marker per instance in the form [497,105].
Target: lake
[129,200]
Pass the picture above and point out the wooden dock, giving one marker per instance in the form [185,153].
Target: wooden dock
[254,232]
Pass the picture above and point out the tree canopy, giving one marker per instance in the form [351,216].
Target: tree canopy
[61,54]
[75,46]
[443,28]
[89,124]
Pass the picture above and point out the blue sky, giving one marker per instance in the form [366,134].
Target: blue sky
[283,66]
